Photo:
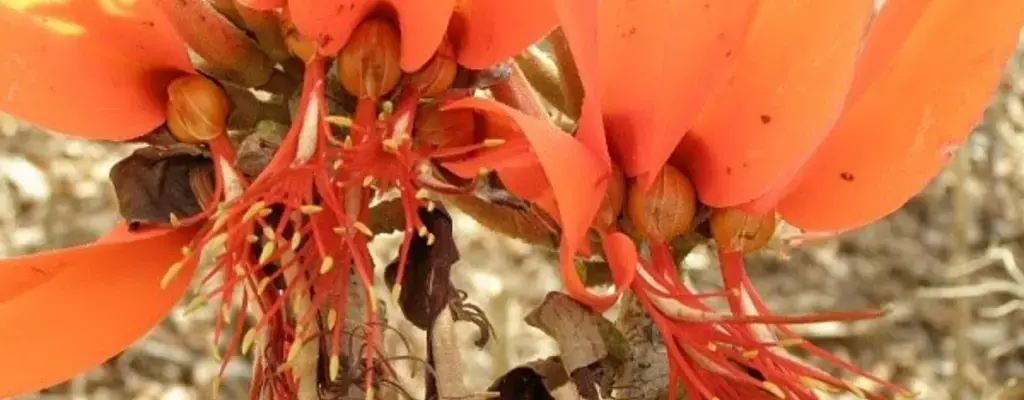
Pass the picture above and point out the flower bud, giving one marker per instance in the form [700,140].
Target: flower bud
[735,230]
[197,109]
[435,129]
[368,65]
[666,209]
[614,200]
[438,74]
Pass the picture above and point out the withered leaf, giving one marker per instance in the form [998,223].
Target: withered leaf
[531,381]
[426,286]
[155,182]
[593,350]
[430,301]
[257,149]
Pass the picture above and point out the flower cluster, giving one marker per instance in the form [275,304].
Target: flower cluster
[690,118]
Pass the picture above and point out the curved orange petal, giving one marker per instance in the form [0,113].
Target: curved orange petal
[661,61]
[906,124]
[486,32]
[422,23]
[577,177]
[786,90]
[88,68]
[579,22]
[80,306]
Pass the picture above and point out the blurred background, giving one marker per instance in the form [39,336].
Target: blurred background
[945,267]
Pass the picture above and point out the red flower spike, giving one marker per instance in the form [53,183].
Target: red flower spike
[911,107]
[786,90]
[107,67]
[653,86]
[488,31]
[422,23]
[87,286]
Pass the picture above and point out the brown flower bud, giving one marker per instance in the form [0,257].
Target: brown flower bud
[197,109]
[435,129]
[666,209]
[614,200]
[438,74]
[735,230]
[368,65]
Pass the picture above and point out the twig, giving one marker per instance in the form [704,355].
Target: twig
[962,319]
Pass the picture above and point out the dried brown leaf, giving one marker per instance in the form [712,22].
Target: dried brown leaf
[155,182]
[593,350]
[531,381]
[258,148]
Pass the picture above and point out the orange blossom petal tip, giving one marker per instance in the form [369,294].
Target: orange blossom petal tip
[577,176]
[917,105]
[93,69]
[81,306]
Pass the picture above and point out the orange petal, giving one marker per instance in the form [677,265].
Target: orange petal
[80,306]
[422,23]
[622,258]
[786,89]
[88,68]
[576,175]
[921,103]
[661,61]
[579,22]
[486,32]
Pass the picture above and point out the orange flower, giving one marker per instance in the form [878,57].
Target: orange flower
[305,213]
[764,105]
[98,73]
[483,32]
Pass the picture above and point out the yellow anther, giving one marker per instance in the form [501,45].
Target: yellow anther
[493,142]
[362,228]
[310,209]
[225,313]
[219,223]
[175,222]
[334,367]
[431,206]
[390,145]
[341,230]
[422,194]
[422,231]
[252,238]
[248,340]
[254,209]
[326,265]
[338,120]
[172,272]
[296,241]
[266,253]
[431,239]
[186,251]
[774,389]
[368,180]
[269,233]
[332,318]
[195,305]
